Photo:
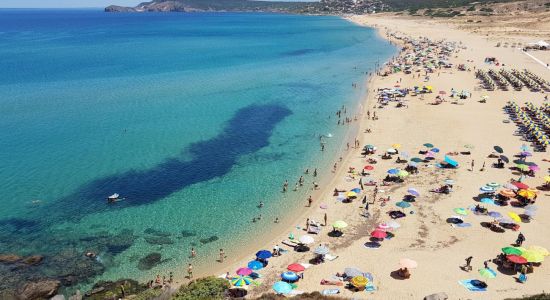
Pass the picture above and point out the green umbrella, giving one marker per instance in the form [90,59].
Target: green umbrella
[428,145]
[487,273]
[522,167]
[461,211]
[511,251]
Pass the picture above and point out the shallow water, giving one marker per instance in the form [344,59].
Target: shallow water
[192,118]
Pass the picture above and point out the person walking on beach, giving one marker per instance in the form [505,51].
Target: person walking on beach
[190,271]
[315,172]
[222,255]
[309,201]
[315,186]
[472,168]
[193,253]
[325,219]
[307,224]
[468,266]
[520,239]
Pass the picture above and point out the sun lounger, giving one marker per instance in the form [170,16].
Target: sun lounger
[290,243]
[330,291]
[330,257]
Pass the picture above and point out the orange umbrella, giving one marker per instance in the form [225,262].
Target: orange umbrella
[507,193]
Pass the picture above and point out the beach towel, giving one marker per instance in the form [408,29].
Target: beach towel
[467,283]
[330,291]
[370,287]
[462,225]
[330,257]
[296,292]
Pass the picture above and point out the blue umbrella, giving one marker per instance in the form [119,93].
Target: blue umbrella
[487,201]
[435,150]
[494,214]
[255,265]
[281,287]
[393,171]
[413,192]
[487,189]
[290,276]
[356,190]
[403,204]
[263,254]
[413,164]
[451,161]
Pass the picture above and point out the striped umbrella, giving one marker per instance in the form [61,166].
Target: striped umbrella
[242,281]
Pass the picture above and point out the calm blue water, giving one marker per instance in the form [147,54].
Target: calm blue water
[192,118]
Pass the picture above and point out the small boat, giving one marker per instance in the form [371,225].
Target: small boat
[113,198]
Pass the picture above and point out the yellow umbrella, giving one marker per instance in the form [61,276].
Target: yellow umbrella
[547,178]
[514,216]
[529,194]
[351,194]
[531,256]
[340,224]
[359,281]
[403,173]
[540,250]
[396,146]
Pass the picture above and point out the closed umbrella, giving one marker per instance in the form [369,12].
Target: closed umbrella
[295,268]
[408,263]
[306,239]
[282,287]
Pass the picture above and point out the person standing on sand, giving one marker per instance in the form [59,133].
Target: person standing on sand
[468,266]
[472,168]
[325,218]
[307,224]
[190,271]
[222,255]
[309,201]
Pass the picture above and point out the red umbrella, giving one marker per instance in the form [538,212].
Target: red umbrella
[369,168]
[244,271]
[379,234]
[296,268]
[521,186]
[516,259]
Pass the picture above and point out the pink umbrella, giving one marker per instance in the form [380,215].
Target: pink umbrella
[430,154]
[534,168]
[244,271]
[379,234]
[384,226]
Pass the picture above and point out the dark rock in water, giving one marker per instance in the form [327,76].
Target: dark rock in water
[187,233]
[38,289]
[9,258]
[149,261]
[107,289]
[156,232]
[33,260]
[209,240]
[158,240]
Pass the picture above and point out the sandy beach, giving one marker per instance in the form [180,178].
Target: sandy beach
[424,235]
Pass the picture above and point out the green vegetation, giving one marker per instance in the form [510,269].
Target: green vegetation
[486,9]
[471,8]
[305,296]
[397,5]
[208,288]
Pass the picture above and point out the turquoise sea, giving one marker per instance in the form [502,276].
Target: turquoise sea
[192,118]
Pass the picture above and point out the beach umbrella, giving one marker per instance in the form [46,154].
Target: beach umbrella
[514,216]
[524,147]
[449,182]
[428,145]
[340,224]
[282,287]
[255,265]
[522,167]
[306,239]
[547,178]
[408,263]
[244,271]
[507,193]
[295,268]
[461,211]
[356,190]
[504,159]
[352,272]
[511,251]
[242,281]
[506,221]
[359,281]
[529,194]
[351,194]
[510,187]
[487,273]
[384,226]
[393,171]
[493,184]
[520,185]
[451,161]
[369,168]
[498,149]
[290,276]
[393,224]
[321,250]
[540,250]
[263,254]
[487,189]
[525,154]
[403,204]
[379,234]
[403,173]
[413,192]
[391,151]
[434,150]
[494,214]
[417,160]
[516,259]
[396,146]
[534,168]
[487,201]
[532,256]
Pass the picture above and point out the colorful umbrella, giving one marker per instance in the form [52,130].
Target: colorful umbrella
[351,194]
[413,192]
[282,287]
[451,161]
[538,249]
[403,173]
[507,193]
[242,281]
[290,276]
[244,271]
[359,281]
[428,145]
[493,184]
[369,168]
[516,259]
[295,268]
[379,234]
[263,254]
[547,178]
[498,149]
[494,214]
[487,273]
[393,171]
[396,146]
[384,226]
[522,167]
[487,189]
[532,256]
[408,263]
[520,185]
[511,251]
[461,211]
[514,216]
[529,194]
[403,204]
[417,160]
[255,265]
[510,187]
[340,224]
